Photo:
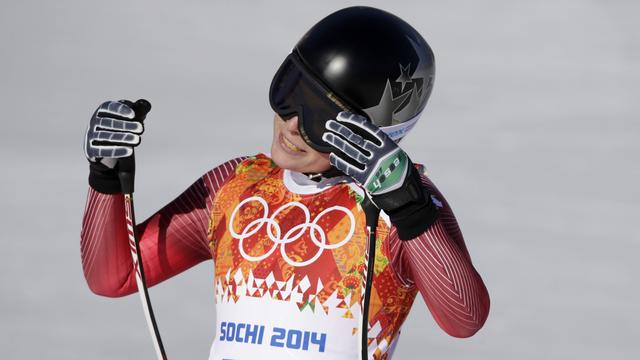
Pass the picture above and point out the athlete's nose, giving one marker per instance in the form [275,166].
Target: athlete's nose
[292,125]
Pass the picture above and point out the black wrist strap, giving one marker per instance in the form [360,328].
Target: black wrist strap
[414,219]
[103,179]
[409,207]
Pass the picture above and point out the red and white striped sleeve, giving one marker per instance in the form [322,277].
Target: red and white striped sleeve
[171,240]
[438,263]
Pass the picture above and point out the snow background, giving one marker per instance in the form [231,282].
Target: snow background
[531,133]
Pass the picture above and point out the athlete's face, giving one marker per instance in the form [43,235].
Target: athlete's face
[289,151]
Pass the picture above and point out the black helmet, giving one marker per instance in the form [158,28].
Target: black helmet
[358,59]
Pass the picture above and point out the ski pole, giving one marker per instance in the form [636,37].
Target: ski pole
[371,214]
[126,171]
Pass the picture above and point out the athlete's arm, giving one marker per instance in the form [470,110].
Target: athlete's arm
[438,263]
[171,241]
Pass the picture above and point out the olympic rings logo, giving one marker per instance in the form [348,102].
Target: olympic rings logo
[317,234]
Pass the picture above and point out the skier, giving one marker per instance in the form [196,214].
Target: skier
[287,231]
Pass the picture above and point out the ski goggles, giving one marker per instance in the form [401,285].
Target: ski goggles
[295,91]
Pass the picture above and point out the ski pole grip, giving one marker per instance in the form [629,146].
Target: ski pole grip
[127,166]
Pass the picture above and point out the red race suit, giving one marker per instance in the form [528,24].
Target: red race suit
[289,257]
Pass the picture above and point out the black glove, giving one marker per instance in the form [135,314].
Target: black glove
[375,161]
[113,131]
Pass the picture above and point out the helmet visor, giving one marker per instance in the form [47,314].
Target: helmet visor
[294,91]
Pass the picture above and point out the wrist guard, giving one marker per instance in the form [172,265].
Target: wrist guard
[104,179]
[409,207]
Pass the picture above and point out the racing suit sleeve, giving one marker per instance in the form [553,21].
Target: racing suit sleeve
[438,263]
[171,240]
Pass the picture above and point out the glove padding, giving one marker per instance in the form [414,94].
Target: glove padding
[111,135]
[383,169]
[378,164]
